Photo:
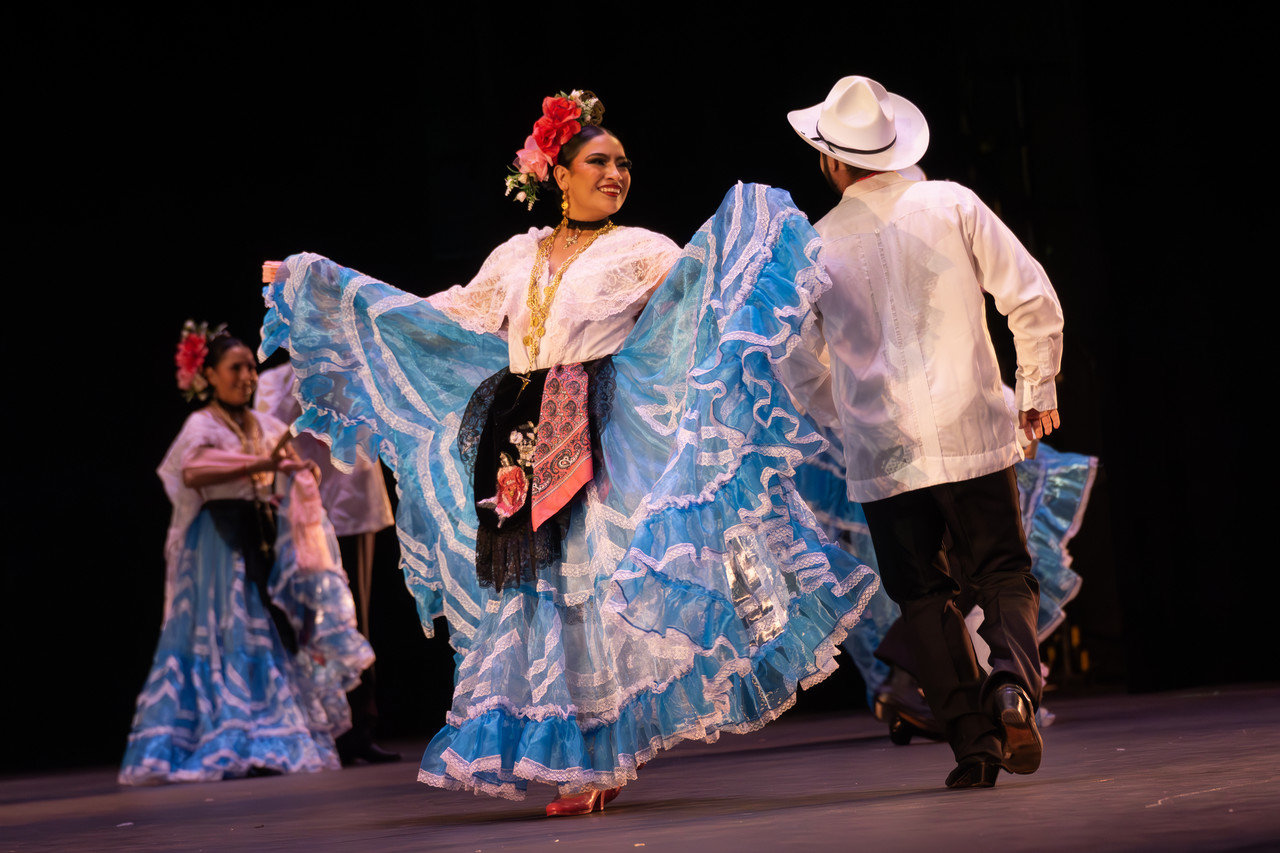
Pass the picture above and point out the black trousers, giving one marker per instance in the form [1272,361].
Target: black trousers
[987,554]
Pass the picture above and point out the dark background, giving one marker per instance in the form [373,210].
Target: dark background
[160,156]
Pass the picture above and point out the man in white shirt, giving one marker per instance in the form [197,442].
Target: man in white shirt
[915,392]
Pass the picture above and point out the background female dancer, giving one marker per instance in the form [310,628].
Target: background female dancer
[656,578]
[259,642]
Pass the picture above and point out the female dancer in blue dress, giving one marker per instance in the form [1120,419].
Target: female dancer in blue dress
[259,642]
[594,460]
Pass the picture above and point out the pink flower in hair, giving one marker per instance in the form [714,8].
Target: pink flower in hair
[531,159]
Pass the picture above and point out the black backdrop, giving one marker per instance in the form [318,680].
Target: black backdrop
[160,156]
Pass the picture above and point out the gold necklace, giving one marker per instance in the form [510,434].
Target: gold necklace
[250,440]
[539,302]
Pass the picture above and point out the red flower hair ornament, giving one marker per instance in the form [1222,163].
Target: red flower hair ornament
[193,348]
[562,118]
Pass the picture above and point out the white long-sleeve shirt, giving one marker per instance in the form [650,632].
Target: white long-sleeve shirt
[914,389]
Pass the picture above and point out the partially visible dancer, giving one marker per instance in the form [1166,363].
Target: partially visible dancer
[358,507]
[1053,489]
[259,643]
[915,393]
[613,536]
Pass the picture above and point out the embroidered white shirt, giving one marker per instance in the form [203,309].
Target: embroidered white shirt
[914,389]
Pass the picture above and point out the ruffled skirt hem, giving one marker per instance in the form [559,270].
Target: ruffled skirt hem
[498,753]
[224,697]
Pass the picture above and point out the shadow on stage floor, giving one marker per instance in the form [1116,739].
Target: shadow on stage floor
[1194,770]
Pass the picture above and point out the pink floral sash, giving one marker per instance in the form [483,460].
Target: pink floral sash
[562,458]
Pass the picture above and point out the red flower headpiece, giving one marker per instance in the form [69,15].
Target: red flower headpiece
[193,348]
[562,118]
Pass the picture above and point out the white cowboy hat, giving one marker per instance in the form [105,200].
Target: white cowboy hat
[862,124]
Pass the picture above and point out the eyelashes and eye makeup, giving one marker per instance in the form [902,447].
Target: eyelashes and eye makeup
[603,160]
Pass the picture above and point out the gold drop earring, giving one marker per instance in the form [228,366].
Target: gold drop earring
[564,220]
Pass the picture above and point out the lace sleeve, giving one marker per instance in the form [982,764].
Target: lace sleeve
[631,264]
[480,305]
[654,255]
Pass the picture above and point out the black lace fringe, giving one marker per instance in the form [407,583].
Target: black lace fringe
[514,553]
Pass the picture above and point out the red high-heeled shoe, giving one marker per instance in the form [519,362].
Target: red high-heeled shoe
[584,803]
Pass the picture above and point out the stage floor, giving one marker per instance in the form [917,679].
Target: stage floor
[1196,770]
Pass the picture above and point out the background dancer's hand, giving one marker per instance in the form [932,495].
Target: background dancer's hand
[291,466]
[1038,424]
[269,269]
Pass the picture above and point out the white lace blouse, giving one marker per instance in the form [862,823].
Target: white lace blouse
[600,296]
[202,430]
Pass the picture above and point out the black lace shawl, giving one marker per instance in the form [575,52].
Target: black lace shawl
[515,552]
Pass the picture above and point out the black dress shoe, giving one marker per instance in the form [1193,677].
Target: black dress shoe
[974,773]
[1013,714]
[368,752]
[255,772]
[371,753]
[901,704]
[375,754]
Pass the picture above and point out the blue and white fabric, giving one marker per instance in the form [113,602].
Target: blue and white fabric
[696,591]
[224,698]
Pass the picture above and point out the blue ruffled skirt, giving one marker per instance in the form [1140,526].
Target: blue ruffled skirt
[1054,492]
[695,593]
[224,697]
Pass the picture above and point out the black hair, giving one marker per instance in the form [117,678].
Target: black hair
[570,149]
[219,346]
[859,173]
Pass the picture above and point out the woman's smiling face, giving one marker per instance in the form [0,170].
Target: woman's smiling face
[235,377]
[597,180]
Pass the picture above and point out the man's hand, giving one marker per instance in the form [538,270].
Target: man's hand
[269,269]
[1038,424]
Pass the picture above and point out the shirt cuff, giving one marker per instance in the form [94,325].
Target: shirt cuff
[1041,396]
